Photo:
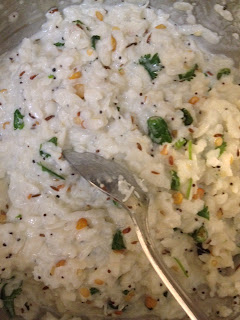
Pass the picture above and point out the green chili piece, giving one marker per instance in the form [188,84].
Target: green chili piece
[204,213]
[189,188]
[175,184]
[200,235]
[190,149]
[180,143]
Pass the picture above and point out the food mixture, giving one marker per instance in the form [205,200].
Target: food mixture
[126,83]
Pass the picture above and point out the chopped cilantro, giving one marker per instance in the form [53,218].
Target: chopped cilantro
[151,64]
[59,44]
[94,40]
[51,76]
[187,118]
[53,140]
[224,71]
[45,154]
[50,171]
[8,301]
[158,130]
[78,22]
[94,290]
[188,76]
[222,148]
[204,213]
[18,122]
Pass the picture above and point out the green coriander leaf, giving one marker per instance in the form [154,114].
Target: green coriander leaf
[222,148]
[175,184]
[224,71]
[53,140]
[59,44]
[19,217]
[118,242]
[50,171]
[45,154]
[94,291]
[188,76]
[78,22]
[189,188]
[151,64]
[8,301]
[117,204]
[51,76]
[158,130]
[94,40]
[180,143]
[18,122]
[42,153]
[181,267]
[200,235]
[204,213]
[187,118]
[190,149]
[118,108]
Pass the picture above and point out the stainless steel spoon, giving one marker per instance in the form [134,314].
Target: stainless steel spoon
[104,174]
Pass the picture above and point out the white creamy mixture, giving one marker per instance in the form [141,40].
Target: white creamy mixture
[91,80]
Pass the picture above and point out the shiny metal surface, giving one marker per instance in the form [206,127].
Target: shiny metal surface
[31,14]
[22,18]
[104,174]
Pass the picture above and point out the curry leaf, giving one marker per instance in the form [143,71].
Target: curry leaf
[118,243]
[187,118]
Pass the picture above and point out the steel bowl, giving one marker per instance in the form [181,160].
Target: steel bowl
[22,18]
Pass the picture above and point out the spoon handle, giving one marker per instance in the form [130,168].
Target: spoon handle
[138,214]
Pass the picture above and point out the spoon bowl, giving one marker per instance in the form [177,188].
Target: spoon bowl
[106,176]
